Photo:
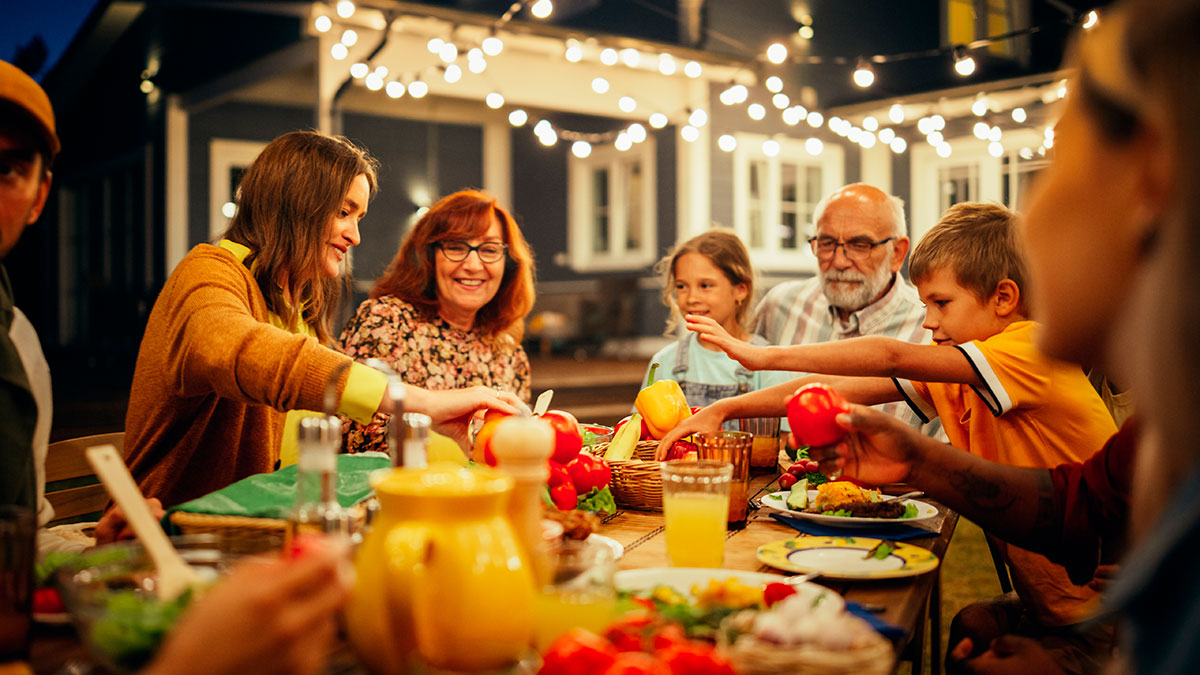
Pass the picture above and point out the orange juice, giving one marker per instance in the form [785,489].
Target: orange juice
[695,525]
[557,611]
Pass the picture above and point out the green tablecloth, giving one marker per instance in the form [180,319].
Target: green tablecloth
[272,495]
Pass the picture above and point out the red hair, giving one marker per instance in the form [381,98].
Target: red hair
[462,216]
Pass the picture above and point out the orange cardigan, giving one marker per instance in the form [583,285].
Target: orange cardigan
[214,379]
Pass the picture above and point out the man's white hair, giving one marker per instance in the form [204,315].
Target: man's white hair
[900,229]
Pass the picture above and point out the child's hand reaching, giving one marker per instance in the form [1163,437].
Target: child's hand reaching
[750,356]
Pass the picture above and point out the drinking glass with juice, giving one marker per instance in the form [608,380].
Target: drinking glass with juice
[695,510]
[580,594]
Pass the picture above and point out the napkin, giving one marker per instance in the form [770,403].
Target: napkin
[893,532]
[887,630]
[272,495]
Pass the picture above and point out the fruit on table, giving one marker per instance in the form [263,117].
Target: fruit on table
[564,496]
[483,440]
[798,498]
[567,439]
[662,404]
[625,440]
[775,591]
[578,652]
[811,412]
[643,434]
[558,474]
[587,471]
[47,601]
[683,450]
[787,480]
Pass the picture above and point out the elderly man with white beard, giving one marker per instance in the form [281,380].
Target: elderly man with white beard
[860,244]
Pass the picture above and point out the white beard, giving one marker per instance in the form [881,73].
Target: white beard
[860,295]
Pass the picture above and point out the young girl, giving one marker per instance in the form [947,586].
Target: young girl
[709,275]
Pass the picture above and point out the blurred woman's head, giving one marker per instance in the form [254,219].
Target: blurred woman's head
[298,207]
[466,261]
[709,274]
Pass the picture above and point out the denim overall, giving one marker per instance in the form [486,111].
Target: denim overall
[700,394]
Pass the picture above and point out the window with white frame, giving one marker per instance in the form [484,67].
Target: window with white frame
[774,195]
[228,160]
[612,222]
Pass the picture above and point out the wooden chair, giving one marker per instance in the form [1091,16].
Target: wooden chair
[71,486]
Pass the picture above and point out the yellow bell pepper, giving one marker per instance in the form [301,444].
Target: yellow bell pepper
[662,404]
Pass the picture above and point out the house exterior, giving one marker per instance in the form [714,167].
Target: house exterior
[163,104]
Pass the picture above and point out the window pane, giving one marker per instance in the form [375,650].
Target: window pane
[957,184]
[787,182]
[633,208]
[787,230]
[600,211]
[758,171]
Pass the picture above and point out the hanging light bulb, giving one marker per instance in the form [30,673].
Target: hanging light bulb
[964,64]
[995,149]
[381,71]
[623,142]
[898,145]
[323,24]
[792,117]
[518,117]
[943,150]
[608,56]
[494,100]
[666,64]
[631,57]
[867,140]
[1091,19]
[658,120]
[542,128]
[1018,115]
[774,84]
[727,143]
[548,139]
[925,126]
[374,82]
[395,89]
[581,149]
[806,32]
[689,133]
[979,107]
[815,119]
[435,45]
[781,101]
[359,70]
[864,74]
[345,9]
[492,45]
[854,134]
[349,37]
[777,53]
[600,85]
[756,111]
[995,134]
[896,113]
[935,139]
[418,89]
[574,51]
[338,51]
[870,123]
[698,118]
[627,104]
[1026,153]
[637,132]
[477,65]
[981,130]
[693,69]
[542,9]
[814,146]
[448,53]
[938,122]
[453,73]
[886,135]
[771,147]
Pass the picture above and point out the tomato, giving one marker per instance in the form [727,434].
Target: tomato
[588,471]
[643,435]
[567,439]
[637,663]
[47,601]
[668,636]
[483,440]
[694,658]
[627,632]
[811,412]
[558,474]
[578,652]
[681,450]
[564,496]
[797,469]
[787,480]
[775,591]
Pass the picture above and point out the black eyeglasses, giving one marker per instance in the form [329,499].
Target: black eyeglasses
[488,251]
[857,249]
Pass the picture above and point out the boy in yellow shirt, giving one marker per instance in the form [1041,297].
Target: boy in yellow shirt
[997,396]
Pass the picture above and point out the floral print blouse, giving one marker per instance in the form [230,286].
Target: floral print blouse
[425,353]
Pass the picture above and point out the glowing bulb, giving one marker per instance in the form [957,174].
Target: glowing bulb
[689,133]
[1091,19]
[600,85]
[886,135]
[542,128]
[627,104]
[395,89]
[323,24]
[1061,92]
[814,146]
[771,147]
[995,134]
[981,130]
[228,209]
[774,84]
[756,111]
[381,71]
[477,65]
[474,54]
[581,149]
[815,119]
[630,57]
[418,89]
[943,150]
[658,120]
[435,45]
[777,53]
[518,117]
[896,113]
[939,122]
[345,9]
[792,117]
[925,126]
[542,9]
[995,149]
[637,132]
[349,37]
[492,45]
[698,118]
[855,134]
[548,139]
[374,82]
[867,141]
[693,69]
[727,143]
[1018,115]
[864,75]
[494,100]
[338,51]
[608,56]
[359,70]
[666,64]
[964,65]
[806,32]
[623,142]
[574,52]
[453,73]
[870,123]
[979,107]
[935,138]
[1026,153]
[448,53]
[781,101]
[898,145]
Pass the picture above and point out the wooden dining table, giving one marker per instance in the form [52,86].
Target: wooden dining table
[904,602]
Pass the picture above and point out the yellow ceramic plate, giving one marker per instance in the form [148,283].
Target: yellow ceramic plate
[842,558]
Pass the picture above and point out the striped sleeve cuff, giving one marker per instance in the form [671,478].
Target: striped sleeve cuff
[922,408]
[992,392]
[363,393]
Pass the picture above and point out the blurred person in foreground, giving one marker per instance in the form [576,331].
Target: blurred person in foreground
[1113,233]
[449,311]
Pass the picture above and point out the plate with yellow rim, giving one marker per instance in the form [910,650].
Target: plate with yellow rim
[846,557]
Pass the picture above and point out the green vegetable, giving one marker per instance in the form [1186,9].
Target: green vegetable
[133,624]
[45,568]
[840,513]
[599,500]
[883,551]
[910,511]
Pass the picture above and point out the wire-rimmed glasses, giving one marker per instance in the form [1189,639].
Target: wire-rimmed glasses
[856,249]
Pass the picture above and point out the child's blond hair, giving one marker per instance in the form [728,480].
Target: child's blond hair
[727,253]
[979,242]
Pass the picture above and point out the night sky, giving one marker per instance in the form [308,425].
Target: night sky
[55,20]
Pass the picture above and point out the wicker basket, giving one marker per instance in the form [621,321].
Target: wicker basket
[637,482]
[244,536]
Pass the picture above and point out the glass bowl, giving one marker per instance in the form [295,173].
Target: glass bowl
[594,434]
[110,595]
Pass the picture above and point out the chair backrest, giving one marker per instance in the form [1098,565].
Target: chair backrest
[71,486]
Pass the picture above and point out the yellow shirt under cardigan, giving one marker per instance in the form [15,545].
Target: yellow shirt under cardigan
[214,378]
[1031,411]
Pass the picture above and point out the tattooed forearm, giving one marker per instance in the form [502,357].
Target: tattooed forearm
[980,492]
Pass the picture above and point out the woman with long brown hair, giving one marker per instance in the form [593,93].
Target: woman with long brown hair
[237,335]
[450,309]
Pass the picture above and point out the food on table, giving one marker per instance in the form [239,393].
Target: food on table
[845,498]
[483,439]
[787,480]
[564,496]
[683,450]
[587,471]
[595,433]
[568,441]
[798,498]
[578,652]
[636,644]
[811,412]
[662,404]
[625,440]
[575,479]
[644,431]
[577,525]
[700,611]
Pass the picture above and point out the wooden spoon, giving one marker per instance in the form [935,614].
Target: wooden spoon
[174,575]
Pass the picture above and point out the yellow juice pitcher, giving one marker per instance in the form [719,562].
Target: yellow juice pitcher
[441,577]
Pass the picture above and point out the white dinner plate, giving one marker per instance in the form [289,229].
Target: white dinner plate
[778,502]
[617,549]
[683,578]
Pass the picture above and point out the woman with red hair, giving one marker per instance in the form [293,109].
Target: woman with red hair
[450,309]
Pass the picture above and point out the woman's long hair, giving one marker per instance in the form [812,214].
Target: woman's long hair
[464,215]
[286,203]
